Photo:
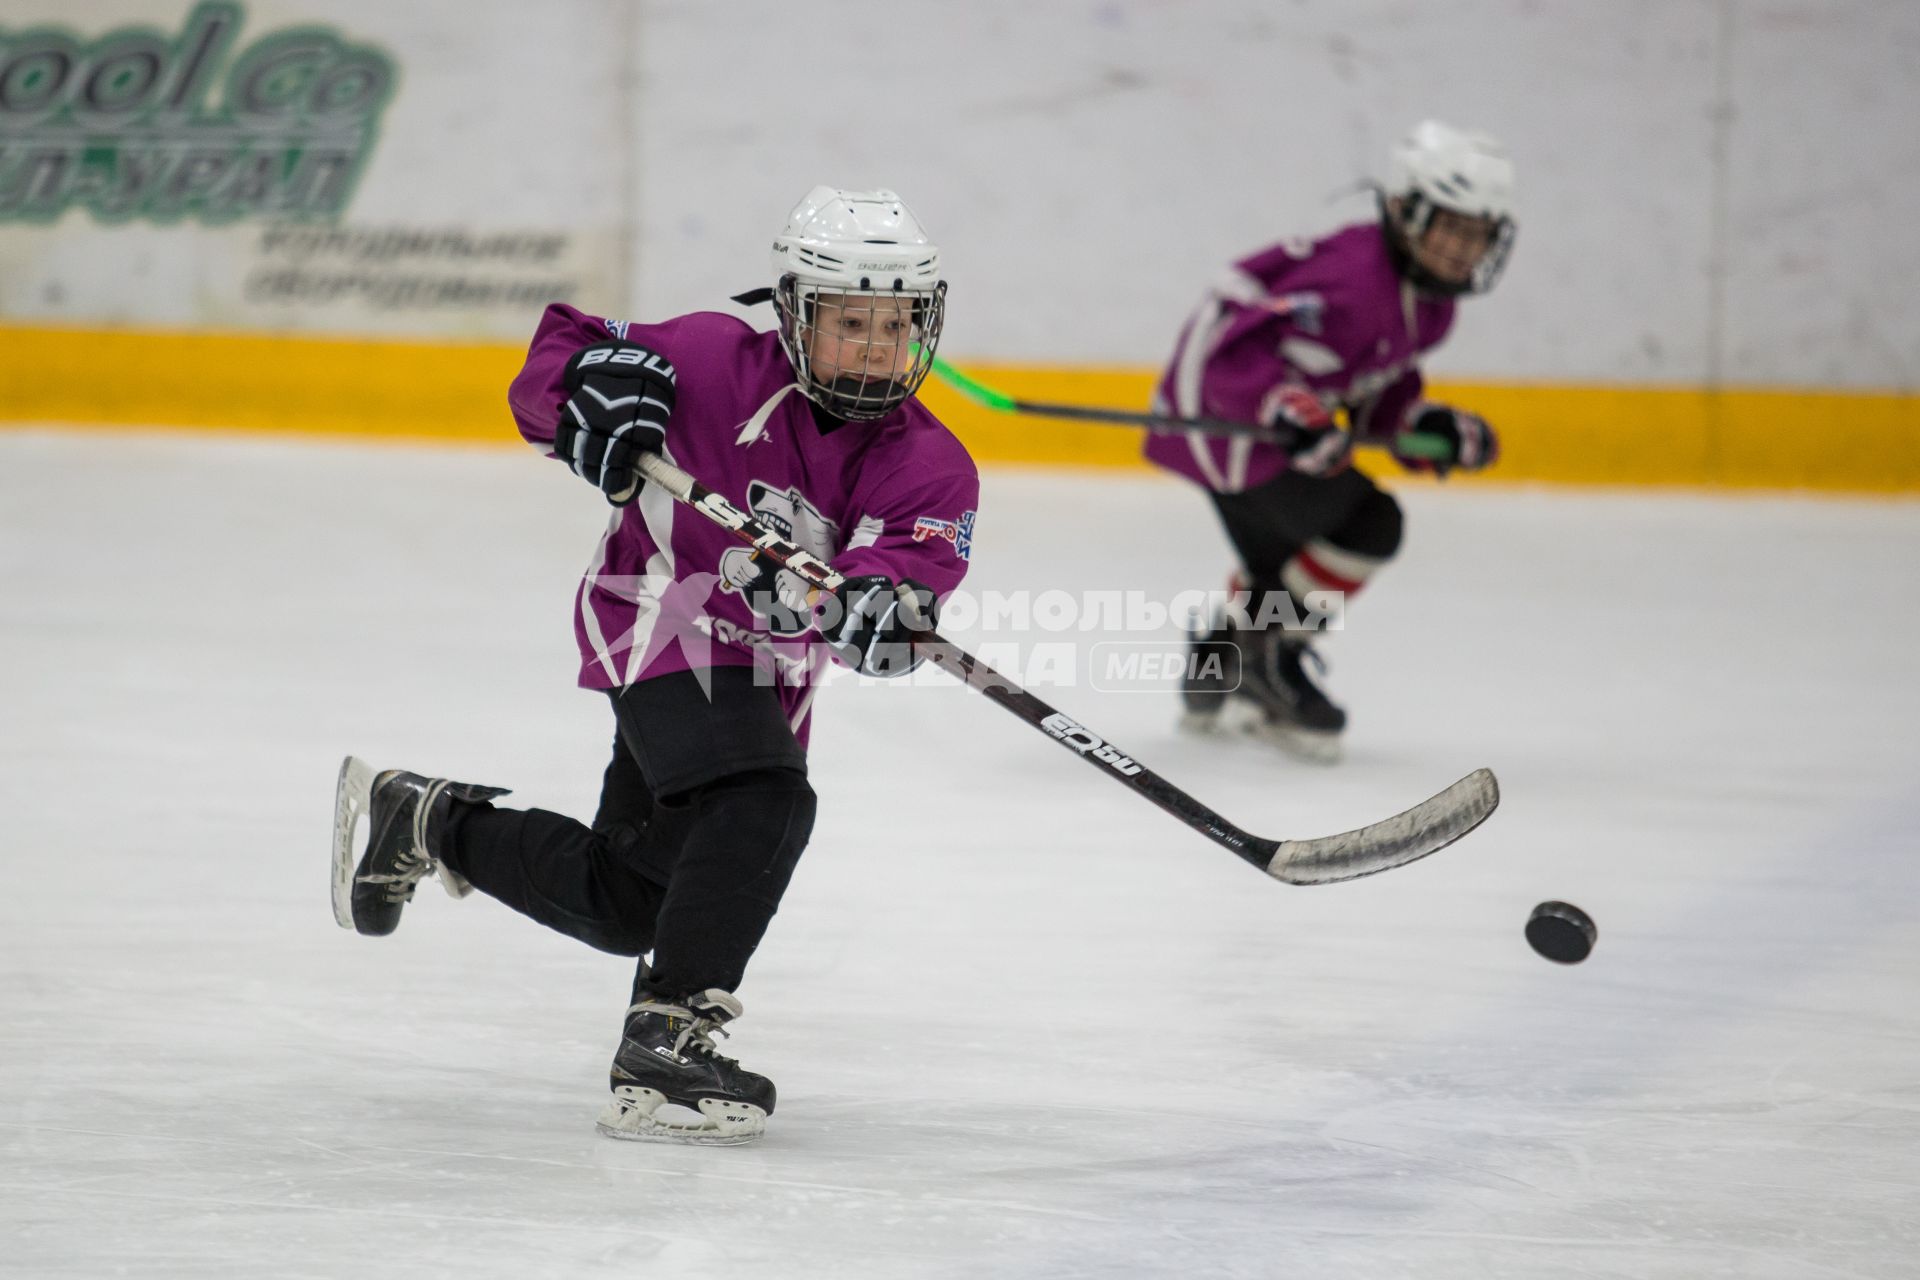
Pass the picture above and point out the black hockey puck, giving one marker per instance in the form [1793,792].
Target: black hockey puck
[1561,932]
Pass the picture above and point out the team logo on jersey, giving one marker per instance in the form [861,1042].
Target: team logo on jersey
[788,513]
[618,328]
[779,596]
[958,532]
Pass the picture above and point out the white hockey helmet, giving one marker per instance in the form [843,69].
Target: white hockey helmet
[1437,166]
[846,246]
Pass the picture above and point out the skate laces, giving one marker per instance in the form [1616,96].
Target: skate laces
[410,868]
[698,1033]
[1295,654]
[410,864]
[413,863]
[1287,664]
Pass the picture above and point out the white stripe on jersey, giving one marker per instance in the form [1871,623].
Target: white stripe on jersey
[750,429]
[583,604]
[1198,342]
[866,533]
[658,512]
[805,708]
[1239,454]
[1202,334]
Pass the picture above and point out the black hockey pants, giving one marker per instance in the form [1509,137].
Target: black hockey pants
[1268,525]
[704,811]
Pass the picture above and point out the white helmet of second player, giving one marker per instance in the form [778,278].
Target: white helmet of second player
[860,300]
[1437,166]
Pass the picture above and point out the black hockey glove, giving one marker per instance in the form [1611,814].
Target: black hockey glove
[1315,444]
[870,623]
[1472,442]
[622,397]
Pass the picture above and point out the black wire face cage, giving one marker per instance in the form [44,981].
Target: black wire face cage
[1416,215]
[858,391]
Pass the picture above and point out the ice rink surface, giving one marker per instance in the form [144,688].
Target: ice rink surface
[1022,1023]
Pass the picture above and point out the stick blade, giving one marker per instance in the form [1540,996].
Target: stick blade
[1428,827]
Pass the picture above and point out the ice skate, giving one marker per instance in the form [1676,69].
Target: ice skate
[1211,676]
[405,815]
[666,1058]
[1280,702]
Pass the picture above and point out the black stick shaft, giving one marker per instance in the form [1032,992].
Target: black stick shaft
[1153,421]
[1063,729]
[1431,447]
[1414,445]
[1095,750]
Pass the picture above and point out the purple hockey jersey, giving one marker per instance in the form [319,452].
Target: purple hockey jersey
[1331,315]
[667,590]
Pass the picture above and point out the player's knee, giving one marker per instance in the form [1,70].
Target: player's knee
[769,813]
[629,903]
[619,939]
[1375,527]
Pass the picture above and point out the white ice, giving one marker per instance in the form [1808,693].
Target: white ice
[1022,1024]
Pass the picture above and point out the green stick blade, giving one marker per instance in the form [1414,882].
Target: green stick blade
[976,391]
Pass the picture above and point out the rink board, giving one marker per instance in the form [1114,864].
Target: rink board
[1837,441]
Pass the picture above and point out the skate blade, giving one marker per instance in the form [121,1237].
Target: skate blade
[631,1117]
[1251,720]
[1202,724]
[1313,746]
[352,798]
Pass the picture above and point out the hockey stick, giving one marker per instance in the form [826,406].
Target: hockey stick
[1412,446]
[1426,828]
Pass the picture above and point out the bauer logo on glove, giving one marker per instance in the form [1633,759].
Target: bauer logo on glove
[622,398]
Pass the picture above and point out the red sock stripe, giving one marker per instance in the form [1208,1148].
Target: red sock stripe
[1326,577]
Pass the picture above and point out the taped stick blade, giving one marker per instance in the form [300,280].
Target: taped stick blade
[1428,827]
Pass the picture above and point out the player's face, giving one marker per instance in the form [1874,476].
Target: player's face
[861,336]
[1453,245]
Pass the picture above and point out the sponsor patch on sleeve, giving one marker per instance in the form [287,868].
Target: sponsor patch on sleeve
[958,532]
[1306,310]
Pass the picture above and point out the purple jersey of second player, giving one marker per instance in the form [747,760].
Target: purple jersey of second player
[1332,315]
[667,590]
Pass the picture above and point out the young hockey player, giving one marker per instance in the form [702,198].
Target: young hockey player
[706,655]
[1285,339]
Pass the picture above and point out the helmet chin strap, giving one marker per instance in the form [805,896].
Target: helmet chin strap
[752,297]
[853,385]
[851,391]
